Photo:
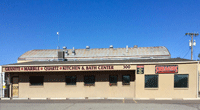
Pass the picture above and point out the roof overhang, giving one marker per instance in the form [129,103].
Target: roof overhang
[87,66]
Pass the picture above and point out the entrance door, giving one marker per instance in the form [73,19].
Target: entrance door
[15,87]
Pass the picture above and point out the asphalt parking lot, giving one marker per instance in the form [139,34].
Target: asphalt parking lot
[99,104]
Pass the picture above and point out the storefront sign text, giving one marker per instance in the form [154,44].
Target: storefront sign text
[58,68]
[166,69]
[12,69]
[126,66]
[140,69]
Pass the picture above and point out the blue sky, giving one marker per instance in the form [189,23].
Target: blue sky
[32,24]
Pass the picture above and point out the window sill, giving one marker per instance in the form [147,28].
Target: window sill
[70,85]
[151,88]
[113,84]
[126,84]
[181,88]
[89,84]
[36,86]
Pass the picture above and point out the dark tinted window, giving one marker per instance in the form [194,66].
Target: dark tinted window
[181,81]
[36,80]
[113,80]
[126,79]
[15,80]
[71,80]
[151,81]
[89,80]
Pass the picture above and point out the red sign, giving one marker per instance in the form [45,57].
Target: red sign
[140,66]
[166,69]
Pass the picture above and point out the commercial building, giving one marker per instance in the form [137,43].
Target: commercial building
[137,72]
[1,82]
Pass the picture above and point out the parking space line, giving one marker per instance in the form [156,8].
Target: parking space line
[134,101]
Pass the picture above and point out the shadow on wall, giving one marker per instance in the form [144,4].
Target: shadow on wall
[100,76]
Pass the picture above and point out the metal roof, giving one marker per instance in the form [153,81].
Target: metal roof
[98,54]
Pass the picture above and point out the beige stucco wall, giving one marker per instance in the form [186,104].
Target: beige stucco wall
[166,83]
[60,89]
[199,76]
[136,89]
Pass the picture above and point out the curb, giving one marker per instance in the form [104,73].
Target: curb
[141,98]
[96,98]
[19,98]
[38,98]
[5,98]
[77,98]
[163,98]
[57,98]
[191,98]
[116,98]
[178,99]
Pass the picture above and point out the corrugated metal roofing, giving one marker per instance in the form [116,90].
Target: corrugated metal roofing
[98,53]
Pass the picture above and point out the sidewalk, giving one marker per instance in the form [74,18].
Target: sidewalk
[99,98]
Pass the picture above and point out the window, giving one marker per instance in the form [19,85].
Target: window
[181,81]
[89,80]
[36,80]
[71,80]
[151,81]
[126,80]
[113,80]
[15,80]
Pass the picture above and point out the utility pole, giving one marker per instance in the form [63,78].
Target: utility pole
[191,35]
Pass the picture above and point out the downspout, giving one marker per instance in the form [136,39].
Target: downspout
[8,86]
[10,94]
[198,80]
[1,74]
[1,83]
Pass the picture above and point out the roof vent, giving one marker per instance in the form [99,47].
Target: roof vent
[64,47]
[87,47]
[111,46]
[66,51]
[135,46]
[73,51]
[127,49]
[61,55]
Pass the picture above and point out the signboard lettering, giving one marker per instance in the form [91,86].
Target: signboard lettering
[12,69]
[140,69]
[166,69]
[30,68]
[59,68]
[126,66]
[51,68]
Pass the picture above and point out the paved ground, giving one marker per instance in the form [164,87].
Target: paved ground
[100,104]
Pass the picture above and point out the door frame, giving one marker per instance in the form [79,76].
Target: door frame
[16,85]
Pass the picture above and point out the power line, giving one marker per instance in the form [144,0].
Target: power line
[186,53]
[179,43]
[194,55]
[180,46]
